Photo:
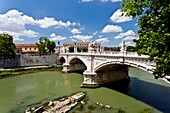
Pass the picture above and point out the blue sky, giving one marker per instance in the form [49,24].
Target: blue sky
[67,21]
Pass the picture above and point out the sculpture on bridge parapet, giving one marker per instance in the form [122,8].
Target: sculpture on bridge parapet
[93,47]
[123,47]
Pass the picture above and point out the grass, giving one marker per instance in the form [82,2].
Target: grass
[20,71]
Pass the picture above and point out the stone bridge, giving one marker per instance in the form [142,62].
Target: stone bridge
[102,68]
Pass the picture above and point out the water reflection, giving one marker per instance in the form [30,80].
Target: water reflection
[153,94]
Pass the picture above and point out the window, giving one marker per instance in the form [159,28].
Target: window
[30,48]
[25,48]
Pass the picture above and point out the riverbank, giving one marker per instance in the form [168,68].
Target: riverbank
[27,70]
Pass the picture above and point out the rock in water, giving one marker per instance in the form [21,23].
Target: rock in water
[61,105]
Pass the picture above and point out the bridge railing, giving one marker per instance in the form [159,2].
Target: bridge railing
[128,56]
[107,53]
[140,60]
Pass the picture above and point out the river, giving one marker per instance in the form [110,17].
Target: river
[19,92]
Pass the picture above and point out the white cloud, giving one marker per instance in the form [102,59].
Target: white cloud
[57,38]
[111,28]
[129,35]
[73,40]
[129,38]
[104,1]
[86,1]
[95,33]
[129,43]
[47,22]
[82,37]
[75,31]
[14,23]
[118,17]
[18,39]
[102,40]
[116,0]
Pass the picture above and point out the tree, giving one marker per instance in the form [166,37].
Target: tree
[41,45]
[115,48]
[45,45]
[71,49]
[51,46]
[131,48]
[6,46]
[154,31]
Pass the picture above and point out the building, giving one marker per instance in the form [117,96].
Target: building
[78,44]
[26,48]
[85,45]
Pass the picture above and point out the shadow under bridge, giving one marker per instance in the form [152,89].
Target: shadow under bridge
[76,65]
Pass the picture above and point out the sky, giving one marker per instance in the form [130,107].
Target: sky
[67,21]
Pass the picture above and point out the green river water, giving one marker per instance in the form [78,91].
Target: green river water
[17,93]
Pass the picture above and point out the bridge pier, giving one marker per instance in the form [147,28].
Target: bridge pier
[111,74]
[66,68]
[89,79]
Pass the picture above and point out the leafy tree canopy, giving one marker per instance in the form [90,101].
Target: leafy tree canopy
[131,48]
[79,49]
[45,46]
[6,46]
[154,31]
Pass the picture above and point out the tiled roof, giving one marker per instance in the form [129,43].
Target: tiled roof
[24,45]
[83,42]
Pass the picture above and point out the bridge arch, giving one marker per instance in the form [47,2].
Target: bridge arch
[126,63]
[62,60]
[76,64]
[103,64]
[78,58]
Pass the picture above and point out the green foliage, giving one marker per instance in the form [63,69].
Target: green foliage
[79,49]
[20,71]
[71,49]
[6,46]
[91,107]
[51,46]
[5,73]
[115,48]
[146,110]
[121,111]
[154,31]
[45,46]
[131,49]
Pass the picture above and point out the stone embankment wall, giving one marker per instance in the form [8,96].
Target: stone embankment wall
[10,62]
[24,60]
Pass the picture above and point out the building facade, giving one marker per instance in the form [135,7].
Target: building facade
[26,48]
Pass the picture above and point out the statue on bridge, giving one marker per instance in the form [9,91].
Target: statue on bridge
[123,47]
[93,47]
